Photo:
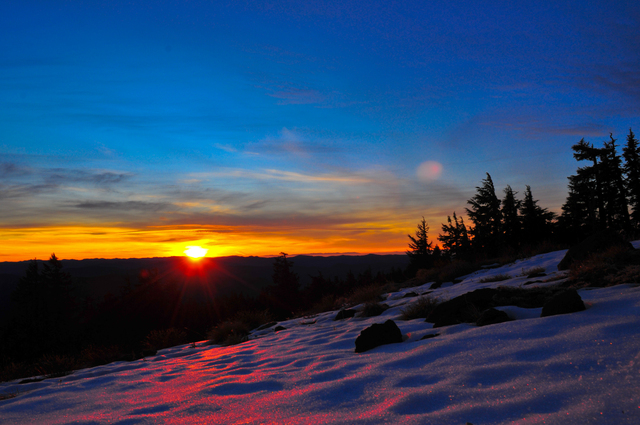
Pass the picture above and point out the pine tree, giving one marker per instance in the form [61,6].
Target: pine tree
[631,154]
[420,248]
[455,238]
[486,217]
[614,192]
[283,296]
[591,176]
[536,221]
[579,212]
[511,223]
[44,311]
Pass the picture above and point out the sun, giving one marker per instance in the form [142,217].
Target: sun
[195,251]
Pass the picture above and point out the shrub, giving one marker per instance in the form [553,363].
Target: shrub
[237,329]
[364,294]
[327,303]
[495,278]
[47,366]
[98,355]
[159,339]
[419,309]
[447,273]
[11,370]
[229,332]
[611,267]
[254,318]
[55,365]
[372,309]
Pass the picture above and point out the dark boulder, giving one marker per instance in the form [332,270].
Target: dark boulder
[344,314]
[279,328]
[565,302]
[598,242]
[463,309]
[492,316]
[467,308]
[378,334]
[266,326]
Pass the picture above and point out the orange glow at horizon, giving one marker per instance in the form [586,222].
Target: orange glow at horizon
[86,242]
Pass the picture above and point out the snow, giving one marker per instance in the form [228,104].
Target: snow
[577,368]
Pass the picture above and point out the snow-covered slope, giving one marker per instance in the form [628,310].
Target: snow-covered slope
[577,368]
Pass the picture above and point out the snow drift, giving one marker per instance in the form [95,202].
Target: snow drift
[574,368]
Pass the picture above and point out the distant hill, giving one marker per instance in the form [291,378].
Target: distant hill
[100,278]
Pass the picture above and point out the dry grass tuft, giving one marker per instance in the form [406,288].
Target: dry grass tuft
[534,272]
[419,309]
[495,278]
[165,338]
[236,330]
[229,332]
[8,395]
[612,267]
[365,294]
[373,309]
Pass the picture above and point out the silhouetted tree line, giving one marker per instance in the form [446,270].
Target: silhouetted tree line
[604,194]
[285,297]
[48,317]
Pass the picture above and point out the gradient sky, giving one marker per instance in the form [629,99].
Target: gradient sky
[136,128]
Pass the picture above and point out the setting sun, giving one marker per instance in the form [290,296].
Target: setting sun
[195,251]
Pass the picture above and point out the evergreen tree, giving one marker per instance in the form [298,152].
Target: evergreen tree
[536,221]
[579,212]
[591,176]
[614,191]
[486,217]
[43,314]
[511,224]
[455,238]
[631,154]
[283,296]
[420,249]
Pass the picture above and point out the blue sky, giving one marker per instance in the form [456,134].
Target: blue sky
[289,118]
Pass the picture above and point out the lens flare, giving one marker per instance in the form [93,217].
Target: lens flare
[195,251]
[429,171]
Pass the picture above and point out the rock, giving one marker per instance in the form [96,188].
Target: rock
[344,314]
[598,242]
[565,302]
[462,309]
[410,294]
[492,316]
[279,328]
[149,352]
[378,334]
[266,325]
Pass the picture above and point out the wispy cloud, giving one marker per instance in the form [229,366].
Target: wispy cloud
[122,206]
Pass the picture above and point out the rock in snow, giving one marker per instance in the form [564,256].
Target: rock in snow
[563,303]
[378,334]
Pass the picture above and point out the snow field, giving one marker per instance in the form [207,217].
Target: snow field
[578,368]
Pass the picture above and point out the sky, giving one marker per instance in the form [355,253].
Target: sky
[136,129]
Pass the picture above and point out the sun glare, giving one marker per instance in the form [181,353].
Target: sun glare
[195,251]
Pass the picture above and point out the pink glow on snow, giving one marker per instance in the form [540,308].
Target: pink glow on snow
[553,370]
